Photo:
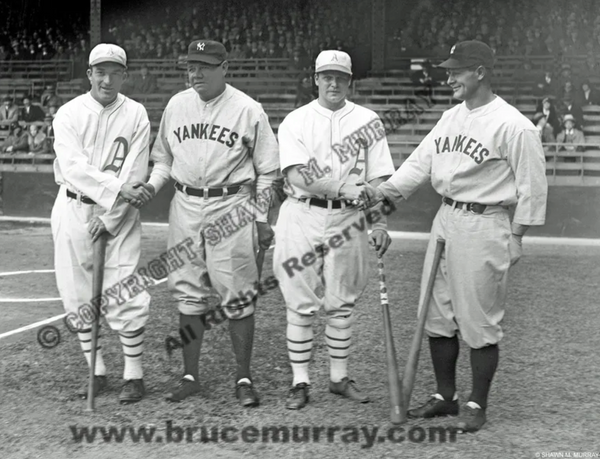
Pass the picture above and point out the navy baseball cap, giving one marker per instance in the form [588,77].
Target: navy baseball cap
[469,53]
[207,51]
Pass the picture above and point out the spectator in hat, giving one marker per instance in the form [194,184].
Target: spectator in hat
[546,86]
[145,82]
[9,113]
[569,136]
[16,141]
[572,107]
[49,97]
[547,108]
[588,95]
[31,113]
[36,139]
[545,129]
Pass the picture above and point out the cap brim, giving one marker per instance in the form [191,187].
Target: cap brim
[205,59]
[336,67]
[108,59]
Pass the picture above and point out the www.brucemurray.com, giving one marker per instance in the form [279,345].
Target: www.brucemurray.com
[365,436]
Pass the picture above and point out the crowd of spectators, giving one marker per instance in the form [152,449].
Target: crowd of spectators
[27,127]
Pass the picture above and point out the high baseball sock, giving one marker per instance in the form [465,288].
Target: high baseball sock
[444,354]
[191,330]
[133,349]
[338,342]
[299,344]
[242,340]
[484,362]
[85,339]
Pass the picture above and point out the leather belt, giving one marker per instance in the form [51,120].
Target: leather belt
[324,203]
[83,199]
[210,192]
[472,207]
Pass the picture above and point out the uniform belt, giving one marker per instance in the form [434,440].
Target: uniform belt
[83,199]
[470,206]
[324,203]
[210,192]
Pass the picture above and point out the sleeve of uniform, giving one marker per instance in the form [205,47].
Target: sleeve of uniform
[292,151]
[135,168]
[100,186]
[525,155]
[413,173]
[265,150]
[379,157]
[161,156]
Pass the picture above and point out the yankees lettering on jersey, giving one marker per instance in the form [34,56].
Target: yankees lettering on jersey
[460,144]
[204,131]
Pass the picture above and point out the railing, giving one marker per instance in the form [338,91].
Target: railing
[566,164]
[59,70]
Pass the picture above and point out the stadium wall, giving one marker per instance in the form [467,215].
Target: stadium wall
[572,211]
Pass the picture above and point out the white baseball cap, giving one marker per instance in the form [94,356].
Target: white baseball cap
[333,60]
[105,52]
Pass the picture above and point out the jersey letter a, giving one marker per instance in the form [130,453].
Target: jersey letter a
[120,145]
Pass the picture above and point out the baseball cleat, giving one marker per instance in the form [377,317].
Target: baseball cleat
[100,385]
[132,392]
[471,419]
[297,397]
[434,407]
[347,388]
[246,394]
[183,390]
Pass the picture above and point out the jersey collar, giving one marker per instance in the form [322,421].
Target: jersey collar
[330,113]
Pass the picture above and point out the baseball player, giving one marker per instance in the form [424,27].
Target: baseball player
[483,157]
[101,144]
[321,254]
[217,144]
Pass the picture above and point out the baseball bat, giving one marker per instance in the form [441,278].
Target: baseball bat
[97,280]
[397,411]
[260,259]
[415,348]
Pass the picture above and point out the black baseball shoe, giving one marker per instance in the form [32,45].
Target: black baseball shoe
[100,385]
[246,394]
[471,418]
[183,390]
[434,407]
[347,388]
[297,397]
[132,391]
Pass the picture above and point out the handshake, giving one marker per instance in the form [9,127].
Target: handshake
[137,194]
[361,195]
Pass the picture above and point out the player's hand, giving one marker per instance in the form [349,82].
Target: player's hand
[96,227]
[374,195]
[265,235]
[353,192]
[380,240]
[515,248]
[136,194]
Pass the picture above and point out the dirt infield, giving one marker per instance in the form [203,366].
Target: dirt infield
[543,398]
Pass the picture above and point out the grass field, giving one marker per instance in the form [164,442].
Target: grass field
[543,399]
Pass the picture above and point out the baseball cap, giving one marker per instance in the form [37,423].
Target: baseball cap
[207,51]
[106,52]
[468,53]
[333,60]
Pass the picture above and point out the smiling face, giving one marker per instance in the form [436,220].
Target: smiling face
[208,80]
[464,82]
[106,79]
[333,88]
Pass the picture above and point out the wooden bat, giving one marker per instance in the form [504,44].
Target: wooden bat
[415,348]
[97,280]
[397,411]
[260,259]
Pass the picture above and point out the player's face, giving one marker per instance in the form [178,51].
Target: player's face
[464,82]
[206,79]
[333,87]
[106,79]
